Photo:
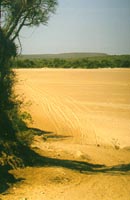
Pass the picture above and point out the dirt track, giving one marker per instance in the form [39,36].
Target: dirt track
[86,155]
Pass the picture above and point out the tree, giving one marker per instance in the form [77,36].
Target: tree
[14,15]
[22,13]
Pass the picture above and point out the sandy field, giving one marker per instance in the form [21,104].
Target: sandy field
[93,106]
[85,115]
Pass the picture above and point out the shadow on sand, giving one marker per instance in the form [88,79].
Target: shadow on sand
[80,166]
[6,179]
[33,159]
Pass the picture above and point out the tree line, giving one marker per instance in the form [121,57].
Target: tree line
[117,61]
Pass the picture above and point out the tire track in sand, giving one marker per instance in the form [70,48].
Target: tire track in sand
[62,113]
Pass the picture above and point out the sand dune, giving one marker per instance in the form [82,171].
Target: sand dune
[93,106]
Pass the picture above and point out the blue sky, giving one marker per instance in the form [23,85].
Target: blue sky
[82,26]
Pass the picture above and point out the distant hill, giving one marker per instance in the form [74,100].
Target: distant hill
[63,55]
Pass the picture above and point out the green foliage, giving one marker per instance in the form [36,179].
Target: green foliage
[122,61]
[13,17]
[25,13]
[12,119]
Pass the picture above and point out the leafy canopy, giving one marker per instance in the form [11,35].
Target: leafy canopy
[19,13]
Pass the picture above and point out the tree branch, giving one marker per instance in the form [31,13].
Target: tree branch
[13,27]
[19,28]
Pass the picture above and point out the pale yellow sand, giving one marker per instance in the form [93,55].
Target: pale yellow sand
[93,108]
[91,105]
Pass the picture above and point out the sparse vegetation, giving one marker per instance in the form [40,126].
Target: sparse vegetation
[115,143]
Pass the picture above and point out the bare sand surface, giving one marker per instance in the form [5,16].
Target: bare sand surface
[87,116]
[93,106]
